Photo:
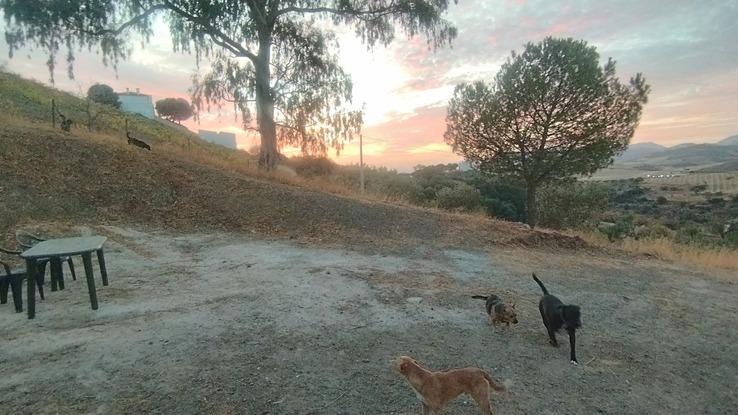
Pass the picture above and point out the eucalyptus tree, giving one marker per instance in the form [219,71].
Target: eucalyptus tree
[276,58]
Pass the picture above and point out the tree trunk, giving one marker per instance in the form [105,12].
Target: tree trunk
[268,155]
[530,204]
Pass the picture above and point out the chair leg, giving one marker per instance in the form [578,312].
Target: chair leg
[57,273]
[31,271]
[41,277]
[17,286]
[71,268]
[4,284]
[40,283]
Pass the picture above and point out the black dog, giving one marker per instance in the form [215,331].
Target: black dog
[556,315]
[136,142]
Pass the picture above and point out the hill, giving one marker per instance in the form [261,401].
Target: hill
[23,99]
[638,151]
[679,157]
[188,184]
[728,166]
[730,141]
[103,181]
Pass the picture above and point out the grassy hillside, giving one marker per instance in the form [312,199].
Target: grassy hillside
[31,101]
[97,180]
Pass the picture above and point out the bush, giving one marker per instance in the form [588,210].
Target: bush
[699,188]
[661,200]
[459,197]
[309,166]
[103,94]
[618,229]
[572,205]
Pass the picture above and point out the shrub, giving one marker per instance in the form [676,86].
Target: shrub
[572,205]
[698,188]
[308,166]
[459,197]
[618,229]
[103,94]
[661,200]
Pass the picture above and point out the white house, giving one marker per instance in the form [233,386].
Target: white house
[221,138]
[137,102]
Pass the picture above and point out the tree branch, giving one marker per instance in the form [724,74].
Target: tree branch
[225,41]
[331,10]
[127,24]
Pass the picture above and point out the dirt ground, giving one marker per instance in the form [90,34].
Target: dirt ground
[226,324]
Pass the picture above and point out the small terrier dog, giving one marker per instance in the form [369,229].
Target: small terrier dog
[434,389]
[498,311]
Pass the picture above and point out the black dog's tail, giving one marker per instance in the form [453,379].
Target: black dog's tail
[480,297]
[543,287]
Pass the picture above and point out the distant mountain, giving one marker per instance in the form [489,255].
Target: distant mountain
[638,151]
[698,154]
[683,145]
[730,141]
[728,166]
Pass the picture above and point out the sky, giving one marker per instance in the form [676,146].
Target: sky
[687,51]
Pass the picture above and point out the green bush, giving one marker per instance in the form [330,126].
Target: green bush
[618,229]
[572,205]
[309,166]
[459,197]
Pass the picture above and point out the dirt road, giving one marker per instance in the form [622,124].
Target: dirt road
[225,324]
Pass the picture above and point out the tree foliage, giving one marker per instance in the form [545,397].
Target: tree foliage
[274,58]
[103,94]
[174,109]
[552,112]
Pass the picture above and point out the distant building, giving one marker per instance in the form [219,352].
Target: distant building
[221,138]
[137,102]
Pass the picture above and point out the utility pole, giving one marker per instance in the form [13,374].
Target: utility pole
[361,161]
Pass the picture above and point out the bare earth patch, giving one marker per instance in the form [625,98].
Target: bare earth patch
[226,324]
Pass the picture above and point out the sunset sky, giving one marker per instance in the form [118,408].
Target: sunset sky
[687,50]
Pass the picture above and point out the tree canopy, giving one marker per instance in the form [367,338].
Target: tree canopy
[174,109]
[273,57]
[552,112]
[103,94]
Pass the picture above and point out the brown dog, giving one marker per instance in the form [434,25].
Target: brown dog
[498,311]
[434,389]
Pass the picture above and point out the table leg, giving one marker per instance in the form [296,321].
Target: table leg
[52,274]
[103,269]
[57,276]
[87,260]
[31,283]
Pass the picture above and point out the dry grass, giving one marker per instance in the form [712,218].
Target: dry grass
[665,249]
